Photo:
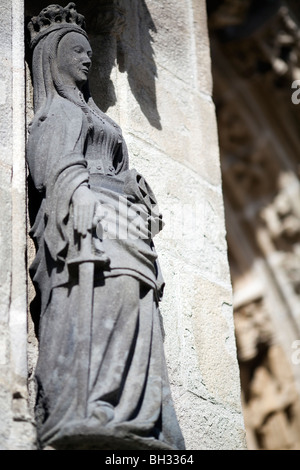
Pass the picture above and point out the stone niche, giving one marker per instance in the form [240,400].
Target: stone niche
[151,74]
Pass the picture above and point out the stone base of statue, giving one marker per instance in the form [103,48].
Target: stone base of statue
[85,437]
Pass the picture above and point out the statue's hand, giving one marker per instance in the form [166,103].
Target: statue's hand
[84,205]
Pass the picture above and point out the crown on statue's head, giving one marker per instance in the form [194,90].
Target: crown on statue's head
[54,17]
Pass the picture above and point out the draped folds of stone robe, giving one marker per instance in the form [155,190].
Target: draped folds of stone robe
[127,398]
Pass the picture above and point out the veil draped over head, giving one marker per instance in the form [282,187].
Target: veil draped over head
[51,158]
[46,77]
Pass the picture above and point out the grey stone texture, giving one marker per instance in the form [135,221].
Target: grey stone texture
[16,428]
[155,81]
[178,153]
[101,375]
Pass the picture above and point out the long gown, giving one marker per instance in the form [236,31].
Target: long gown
[101,374]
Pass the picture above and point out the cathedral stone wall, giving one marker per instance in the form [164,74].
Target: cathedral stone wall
[178,153]
[151,73]
[16,428]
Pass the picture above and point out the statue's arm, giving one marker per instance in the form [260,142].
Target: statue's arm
[54,140]
[121,159]
[84,207]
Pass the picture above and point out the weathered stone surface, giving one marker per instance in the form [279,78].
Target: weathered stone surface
[177,137]
[16,431]
[211,425]
[101,358]
[190,206]
[156,83]
[188,127]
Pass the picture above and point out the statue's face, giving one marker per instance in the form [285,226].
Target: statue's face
[74,59]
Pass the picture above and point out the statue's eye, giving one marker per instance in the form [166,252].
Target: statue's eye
[78,50]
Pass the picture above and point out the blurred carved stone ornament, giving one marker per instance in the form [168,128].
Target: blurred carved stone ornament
[101,375]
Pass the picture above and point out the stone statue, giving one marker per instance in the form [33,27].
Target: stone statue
[101,374]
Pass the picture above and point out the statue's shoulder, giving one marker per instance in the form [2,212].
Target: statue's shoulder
[63,118]
[64,105]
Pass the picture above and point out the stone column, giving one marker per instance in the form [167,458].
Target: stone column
[16,431]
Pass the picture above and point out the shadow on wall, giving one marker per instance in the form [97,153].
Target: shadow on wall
[120,32]
[136,57]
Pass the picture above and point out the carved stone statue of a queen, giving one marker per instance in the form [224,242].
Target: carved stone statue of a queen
[101,374]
